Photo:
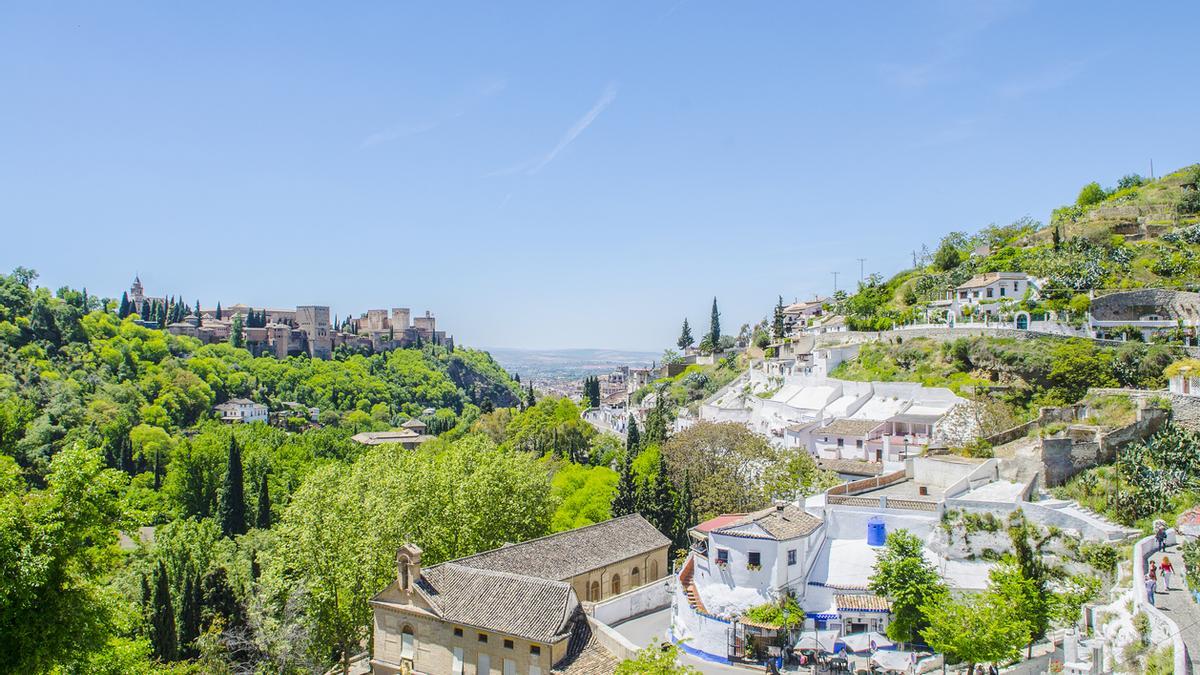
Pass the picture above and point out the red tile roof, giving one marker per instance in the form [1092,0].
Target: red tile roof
[718,522]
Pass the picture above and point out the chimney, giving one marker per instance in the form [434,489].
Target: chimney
[408,566]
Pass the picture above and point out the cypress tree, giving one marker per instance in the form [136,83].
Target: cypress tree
[517,377]
[231,512]
[189,616]
[778,322]
[685,336]
[218,310]
[147,596]
[263,517]
[163,640]
[714,331]
[633,437]
[197,309]
[626,499]
[662,498]
[123,308]
[219,599]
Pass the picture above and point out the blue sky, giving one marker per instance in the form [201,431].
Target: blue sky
[560,174]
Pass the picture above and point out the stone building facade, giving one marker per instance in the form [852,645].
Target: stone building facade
[515,609]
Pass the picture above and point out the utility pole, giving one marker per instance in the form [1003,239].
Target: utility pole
[860,268]
[1151,168]
[835,275]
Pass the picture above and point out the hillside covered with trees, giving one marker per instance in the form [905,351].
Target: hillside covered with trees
[1139,233]
[138,534]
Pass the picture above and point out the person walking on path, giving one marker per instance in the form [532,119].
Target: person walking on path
[1149,589]
[1160,533]
[1153,574]
[1167,569]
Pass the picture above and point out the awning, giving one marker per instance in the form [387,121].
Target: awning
[866,642]
[822,640]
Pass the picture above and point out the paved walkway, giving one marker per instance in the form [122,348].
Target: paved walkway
[1177,604]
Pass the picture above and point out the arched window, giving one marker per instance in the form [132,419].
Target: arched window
[407,649]
[616,584]
[653,570]
[594,591]
[635,579]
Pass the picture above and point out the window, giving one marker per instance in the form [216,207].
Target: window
[594,591]
[841,442]
[791,556]
[535,650]
[616,584]
[989,292]
[755,558]
[722,555]
[653,570]
[483,638]
[858,444]
[635,579]
[1003,291]
[457,632]
[406,643]
[508,644]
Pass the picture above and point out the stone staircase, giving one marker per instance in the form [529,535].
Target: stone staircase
[689,588]
[1115,531]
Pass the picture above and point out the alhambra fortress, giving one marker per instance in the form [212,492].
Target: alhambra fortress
[307,329]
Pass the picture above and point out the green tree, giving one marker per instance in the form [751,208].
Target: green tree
[189,615]
[633,438]
[625,501]
[947,256]
[218,313]
[655,659]
[237,337]
[1029,553]
[162,620]
[262,519]
[979,628]
[231,510]
[123,308]
[909,581]
[662,498]
[658,420]
[685,336]
[1091,193]
[777,320]
[714,328]
[56,547]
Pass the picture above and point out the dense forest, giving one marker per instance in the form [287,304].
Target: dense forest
[139,534]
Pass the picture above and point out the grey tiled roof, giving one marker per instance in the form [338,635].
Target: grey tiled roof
[779,522]
[566,554]
[585,655]
[848,427]
[535,609]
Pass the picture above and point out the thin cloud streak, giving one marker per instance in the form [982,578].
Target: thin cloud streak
[606,98]
[1048,79]
[482,92]
[533,166]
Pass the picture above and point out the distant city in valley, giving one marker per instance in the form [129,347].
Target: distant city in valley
[563,365]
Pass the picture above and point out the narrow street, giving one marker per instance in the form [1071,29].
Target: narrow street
[1177,604]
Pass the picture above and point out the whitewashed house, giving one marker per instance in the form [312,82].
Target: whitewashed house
[241,411]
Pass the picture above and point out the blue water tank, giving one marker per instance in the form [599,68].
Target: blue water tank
[876,532]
